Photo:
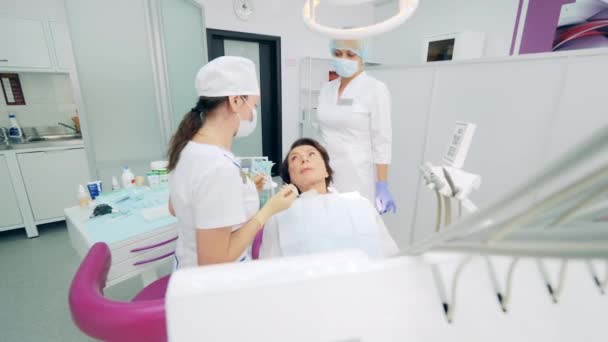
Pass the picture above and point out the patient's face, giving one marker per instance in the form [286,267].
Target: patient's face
[306,167]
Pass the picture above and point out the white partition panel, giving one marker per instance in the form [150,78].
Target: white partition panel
[582,108]
[583,105]
[411,91]
[511,102]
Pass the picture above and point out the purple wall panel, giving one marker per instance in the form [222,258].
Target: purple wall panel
[541,22]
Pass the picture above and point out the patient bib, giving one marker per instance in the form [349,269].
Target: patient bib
[322,223]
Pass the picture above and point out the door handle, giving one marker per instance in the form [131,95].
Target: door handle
[4,60]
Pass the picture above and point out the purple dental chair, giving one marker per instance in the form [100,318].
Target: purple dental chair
[142,319]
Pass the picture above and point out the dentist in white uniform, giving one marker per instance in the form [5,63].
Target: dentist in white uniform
[354,115]
[217,206]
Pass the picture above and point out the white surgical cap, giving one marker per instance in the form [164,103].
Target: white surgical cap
[226,76]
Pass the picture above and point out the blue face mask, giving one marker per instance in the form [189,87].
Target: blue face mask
[345,67]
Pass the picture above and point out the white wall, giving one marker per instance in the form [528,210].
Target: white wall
[496,18]
[283,18]
[48,99]
[47,9]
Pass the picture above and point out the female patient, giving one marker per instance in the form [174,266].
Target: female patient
[321,220]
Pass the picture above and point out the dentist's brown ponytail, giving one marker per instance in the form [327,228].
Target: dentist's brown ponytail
[191,123]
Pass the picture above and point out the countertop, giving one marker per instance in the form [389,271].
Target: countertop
[40,146]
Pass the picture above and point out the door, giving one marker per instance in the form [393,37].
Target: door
[183,30]
[265,52]
[252,145]
[10,215]
[116,76]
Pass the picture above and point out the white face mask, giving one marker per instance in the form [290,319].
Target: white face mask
[247,127]
[345,67]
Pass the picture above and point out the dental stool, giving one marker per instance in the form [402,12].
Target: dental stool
[142,319]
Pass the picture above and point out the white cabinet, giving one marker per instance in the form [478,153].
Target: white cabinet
[24,44]
[51,179]
[10,215]
[61,45]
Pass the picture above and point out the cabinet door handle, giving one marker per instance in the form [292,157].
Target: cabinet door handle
[153,246]
[4,60]
[153,259]
[63,150]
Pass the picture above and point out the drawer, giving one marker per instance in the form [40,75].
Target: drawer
[143,246]
[142,261]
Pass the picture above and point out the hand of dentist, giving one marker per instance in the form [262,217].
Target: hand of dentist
[277,203]
[384,199]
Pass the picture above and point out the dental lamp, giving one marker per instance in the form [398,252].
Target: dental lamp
[309,14]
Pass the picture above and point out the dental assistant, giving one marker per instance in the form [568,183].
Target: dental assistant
[216,204]
[354,115]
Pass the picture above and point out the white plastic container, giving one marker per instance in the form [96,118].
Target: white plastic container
[14,130]
[153,179]
[128,178]
[161,168]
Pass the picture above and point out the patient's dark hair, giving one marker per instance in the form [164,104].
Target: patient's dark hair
[284,171]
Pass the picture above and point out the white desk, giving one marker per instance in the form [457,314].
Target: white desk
[138,247]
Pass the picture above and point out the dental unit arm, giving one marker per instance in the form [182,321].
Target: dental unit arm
[450,181]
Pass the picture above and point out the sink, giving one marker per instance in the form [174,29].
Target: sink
[42,137]
[46,143]
[53,137]
[48,133]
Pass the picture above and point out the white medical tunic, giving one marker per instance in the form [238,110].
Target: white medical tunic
[322,223]
[356,130]
[208,191]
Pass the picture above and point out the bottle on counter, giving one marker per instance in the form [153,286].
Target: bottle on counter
[14,131]
[115,185]
[83,197]
[128,178]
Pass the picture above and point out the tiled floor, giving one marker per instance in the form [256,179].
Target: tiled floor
[34,281]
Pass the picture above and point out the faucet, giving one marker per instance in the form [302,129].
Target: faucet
[68,126]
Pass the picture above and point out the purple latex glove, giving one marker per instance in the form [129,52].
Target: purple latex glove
[384,199]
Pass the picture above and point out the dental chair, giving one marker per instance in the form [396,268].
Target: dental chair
[142,319]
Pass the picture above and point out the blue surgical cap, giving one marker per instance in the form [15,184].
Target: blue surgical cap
[359,47]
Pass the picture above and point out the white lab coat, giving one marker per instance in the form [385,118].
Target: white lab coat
[324,223]
[208,191]
[356,130]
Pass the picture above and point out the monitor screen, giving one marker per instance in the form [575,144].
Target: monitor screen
[440,50]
